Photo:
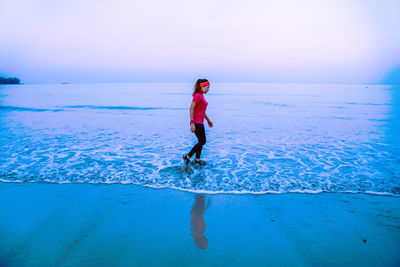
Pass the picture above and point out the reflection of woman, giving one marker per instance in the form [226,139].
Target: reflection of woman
[197,223]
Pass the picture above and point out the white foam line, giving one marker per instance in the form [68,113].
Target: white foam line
[245,192]
[8,181]
[379,193]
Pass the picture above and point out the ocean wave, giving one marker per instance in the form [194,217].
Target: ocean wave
[122,107]
[15,108]
[62,108]
[243,168]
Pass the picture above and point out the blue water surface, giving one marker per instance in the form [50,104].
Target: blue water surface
[267,138]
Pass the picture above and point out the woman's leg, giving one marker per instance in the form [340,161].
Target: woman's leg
[201,137]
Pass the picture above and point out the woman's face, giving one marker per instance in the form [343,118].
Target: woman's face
[205,89]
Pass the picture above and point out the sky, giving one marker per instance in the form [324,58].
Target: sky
[307,41]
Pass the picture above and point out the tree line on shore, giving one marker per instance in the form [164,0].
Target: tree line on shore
[9,80]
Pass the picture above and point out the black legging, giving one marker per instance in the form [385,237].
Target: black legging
[201,136]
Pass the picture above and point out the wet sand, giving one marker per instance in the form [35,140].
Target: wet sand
[126,225]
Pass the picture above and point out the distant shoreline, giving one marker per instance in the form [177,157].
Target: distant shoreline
[10,80]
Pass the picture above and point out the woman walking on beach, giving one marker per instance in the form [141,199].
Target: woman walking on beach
[197,116]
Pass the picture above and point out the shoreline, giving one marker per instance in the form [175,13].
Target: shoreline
[372,193]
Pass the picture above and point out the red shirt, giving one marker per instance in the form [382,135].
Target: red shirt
[200,108]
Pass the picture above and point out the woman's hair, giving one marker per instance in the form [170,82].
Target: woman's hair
[197,88]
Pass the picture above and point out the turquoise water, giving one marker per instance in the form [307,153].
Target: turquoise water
[267,138]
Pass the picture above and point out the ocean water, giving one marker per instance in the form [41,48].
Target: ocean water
[267,138]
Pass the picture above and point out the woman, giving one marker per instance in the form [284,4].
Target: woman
[197,115]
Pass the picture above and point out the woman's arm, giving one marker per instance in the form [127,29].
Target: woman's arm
[206,117]
[192,106]
[208,120]
[192,126]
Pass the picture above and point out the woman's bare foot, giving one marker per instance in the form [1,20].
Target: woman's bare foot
[200,162]
[186,159]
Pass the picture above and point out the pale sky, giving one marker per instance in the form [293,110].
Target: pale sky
[311,41]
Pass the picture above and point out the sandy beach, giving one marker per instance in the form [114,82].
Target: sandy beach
[127,225]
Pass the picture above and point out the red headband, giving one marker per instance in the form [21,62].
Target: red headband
[204,84]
